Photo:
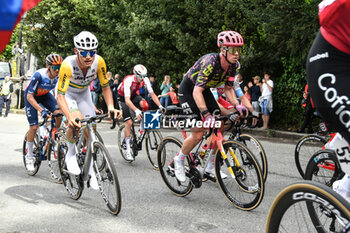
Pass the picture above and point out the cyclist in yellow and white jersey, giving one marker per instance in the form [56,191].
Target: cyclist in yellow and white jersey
[73,92]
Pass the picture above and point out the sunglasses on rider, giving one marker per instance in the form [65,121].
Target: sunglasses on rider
[234,50]
[86,53]
[140,76]
[56,67]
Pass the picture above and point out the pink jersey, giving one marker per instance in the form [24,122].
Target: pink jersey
[335,23]
[130,86]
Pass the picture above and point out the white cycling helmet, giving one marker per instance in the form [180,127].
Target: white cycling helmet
[85,40]
[140,71]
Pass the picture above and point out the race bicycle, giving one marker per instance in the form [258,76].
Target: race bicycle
[152,139]
[106,176]
[45,147]
[243,185]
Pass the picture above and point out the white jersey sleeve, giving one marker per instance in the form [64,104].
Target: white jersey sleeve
[148,85]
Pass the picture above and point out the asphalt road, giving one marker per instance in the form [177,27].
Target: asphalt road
[36,204]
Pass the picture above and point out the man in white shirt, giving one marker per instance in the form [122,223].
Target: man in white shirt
[266,99]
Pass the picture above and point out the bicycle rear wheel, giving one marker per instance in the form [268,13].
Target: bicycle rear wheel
[258,151]
[244,189]
[36,155]
[52,159]
[122,144]
[167,150]
[324,168]
[290,211]
[152,141]
[74,183]
[305,148]
[107,179]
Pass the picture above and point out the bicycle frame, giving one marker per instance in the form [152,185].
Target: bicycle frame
[89,153]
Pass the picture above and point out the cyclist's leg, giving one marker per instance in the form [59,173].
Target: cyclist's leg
[128,124]
[71,160]
[87,109]
[328,78]
[32,117]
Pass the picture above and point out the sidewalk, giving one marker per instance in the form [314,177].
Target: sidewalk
[270,134]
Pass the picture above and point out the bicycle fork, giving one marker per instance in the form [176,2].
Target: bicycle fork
[225,158]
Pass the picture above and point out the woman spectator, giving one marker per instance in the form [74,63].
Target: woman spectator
[165,88]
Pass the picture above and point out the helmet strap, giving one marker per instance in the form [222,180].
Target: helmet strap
[225,56]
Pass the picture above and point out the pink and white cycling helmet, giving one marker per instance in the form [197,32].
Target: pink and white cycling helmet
[230,39]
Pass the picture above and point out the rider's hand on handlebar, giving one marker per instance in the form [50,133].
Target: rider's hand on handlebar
[117,113]
[99,111]
[235,116]
[138,114]
[162,109]
[44,113]
[209,120]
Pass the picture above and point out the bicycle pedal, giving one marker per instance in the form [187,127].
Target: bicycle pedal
[209,177]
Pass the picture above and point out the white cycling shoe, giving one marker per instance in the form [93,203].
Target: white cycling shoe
[128,156]
[72,164]
[179,169]
[93,180]
[30,161]
[211,173]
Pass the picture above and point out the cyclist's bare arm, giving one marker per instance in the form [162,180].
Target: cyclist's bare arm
[231,95]
[32,101]
[246,103]
[199,98]
[155,98]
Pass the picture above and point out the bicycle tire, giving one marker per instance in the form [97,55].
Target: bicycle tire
[122,146]
[167,150]
[36,155]
[305,148]
[246,189]
[108,175]
[324,168]
[258,151]
[52,159]
[152,141]
[74,184]
[282,214]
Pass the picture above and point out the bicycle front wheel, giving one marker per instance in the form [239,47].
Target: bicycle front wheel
[107,179]
[324,168]
[167,150]
[306,147]
[36,155]
[258,151]
[152,141]
[74,183]
[289,211]
[239,175]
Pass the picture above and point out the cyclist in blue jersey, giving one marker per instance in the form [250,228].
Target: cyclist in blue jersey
[38,98]
[197,101]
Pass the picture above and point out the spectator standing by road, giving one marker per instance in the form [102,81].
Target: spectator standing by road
[5,95]
[266,99]
[255,94]
[165,88]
